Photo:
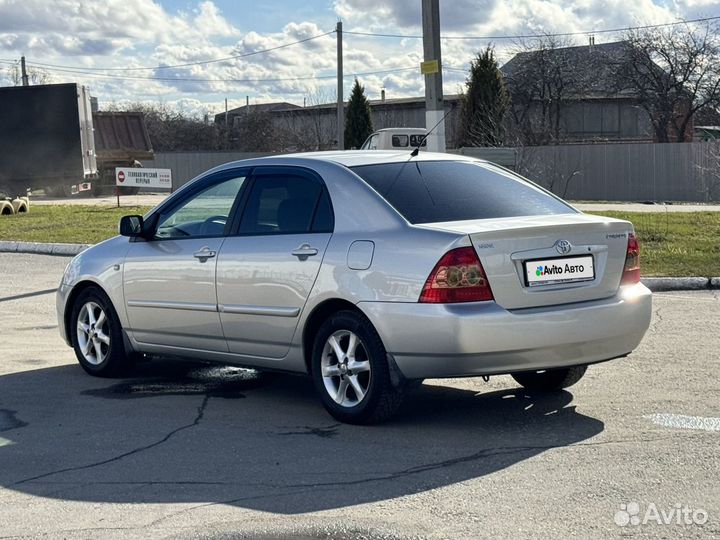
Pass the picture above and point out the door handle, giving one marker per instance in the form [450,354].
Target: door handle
[204,254]
[304,251]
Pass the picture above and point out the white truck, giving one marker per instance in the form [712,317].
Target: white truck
[396,139]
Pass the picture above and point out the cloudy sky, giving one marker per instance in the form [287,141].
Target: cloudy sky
[158,50]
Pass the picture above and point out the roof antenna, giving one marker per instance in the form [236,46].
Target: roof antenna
[416,150]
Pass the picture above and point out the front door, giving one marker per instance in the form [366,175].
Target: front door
[266,272]
[169,281]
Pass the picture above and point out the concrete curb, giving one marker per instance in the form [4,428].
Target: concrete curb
[65,250]
[656,284]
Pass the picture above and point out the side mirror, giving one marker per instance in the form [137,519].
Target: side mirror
[131,226]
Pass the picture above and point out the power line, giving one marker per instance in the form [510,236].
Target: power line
[532,36]
[187,64]
[225,80]
[86,69]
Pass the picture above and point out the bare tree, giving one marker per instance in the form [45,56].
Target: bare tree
[708,179]
[544,166]
[255,132]
[313,127]
[171,130]
[541,79]
[35,75]
[674,72]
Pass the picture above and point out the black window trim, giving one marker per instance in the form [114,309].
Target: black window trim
[265,170]
[173,203]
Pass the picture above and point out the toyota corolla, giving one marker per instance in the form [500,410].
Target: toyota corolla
[369,271]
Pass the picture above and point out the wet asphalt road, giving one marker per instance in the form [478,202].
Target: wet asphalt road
[188,450]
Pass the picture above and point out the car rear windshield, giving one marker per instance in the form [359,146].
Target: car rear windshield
[437,191]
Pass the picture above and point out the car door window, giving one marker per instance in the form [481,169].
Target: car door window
[203,215]
[287,203]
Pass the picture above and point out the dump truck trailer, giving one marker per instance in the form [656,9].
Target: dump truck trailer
[50,140]
[121,140]
[46,138]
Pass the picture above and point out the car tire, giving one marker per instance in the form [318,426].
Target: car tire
[97,336]
[365,363]
[551,379]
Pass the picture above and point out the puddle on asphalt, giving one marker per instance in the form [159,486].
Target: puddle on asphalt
[681,421]
[9,421]
[206,380]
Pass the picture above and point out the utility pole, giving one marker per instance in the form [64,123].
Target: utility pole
[227,130]
[340,108]
[25,80]
[432,69]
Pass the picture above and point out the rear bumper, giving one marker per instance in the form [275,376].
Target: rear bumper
[456,340]
[61,297]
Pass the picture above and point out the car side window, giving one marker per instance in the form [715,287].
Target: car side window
[399,141]
[415,140]
[203,215]
[285,203]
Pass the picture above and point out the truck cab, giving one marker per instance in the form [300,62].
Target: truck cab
[396,139]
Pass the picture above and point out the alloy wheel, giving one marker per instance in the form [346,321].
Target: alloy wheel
[93,333]
[345,368]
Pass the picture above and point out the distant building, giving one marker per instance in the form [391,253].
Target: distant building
[236,115]
[315,127]
[583,83]
[576,95]
[564,95]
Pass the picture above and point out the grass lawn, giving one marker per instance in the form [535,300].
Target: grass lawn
[676,243]
[65,223]
[672,244]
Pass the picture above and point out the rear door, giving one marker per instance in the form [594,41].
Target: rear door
[169,281]
[266,271]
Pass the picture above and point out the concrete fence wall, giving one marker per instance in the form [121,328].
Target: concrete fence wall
[187,165]
[614,172]
[626,172]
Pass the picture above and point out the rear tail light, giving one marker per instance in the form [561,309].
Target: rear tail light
[631,272]
[457,277]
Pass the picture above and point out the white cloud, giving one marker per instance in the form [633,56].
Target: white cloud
[141,33]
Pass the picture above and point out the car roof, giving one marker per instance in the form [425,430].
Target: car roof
[346,158]
[354,158]
[401,130]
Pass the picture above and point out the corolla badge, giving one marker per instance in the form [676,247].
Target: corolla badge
[563,247]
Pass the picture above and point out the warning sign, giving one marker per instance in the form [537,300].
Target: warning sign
[429,67]
[139,177]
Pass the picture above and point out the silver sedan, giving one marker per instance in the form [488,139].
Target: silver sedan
[369,271]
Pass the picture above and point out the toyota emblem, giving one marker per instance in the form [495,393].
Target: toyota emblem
[563,247]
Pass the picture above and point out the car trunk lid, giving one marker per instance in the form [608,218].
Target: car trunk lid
[537,261]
